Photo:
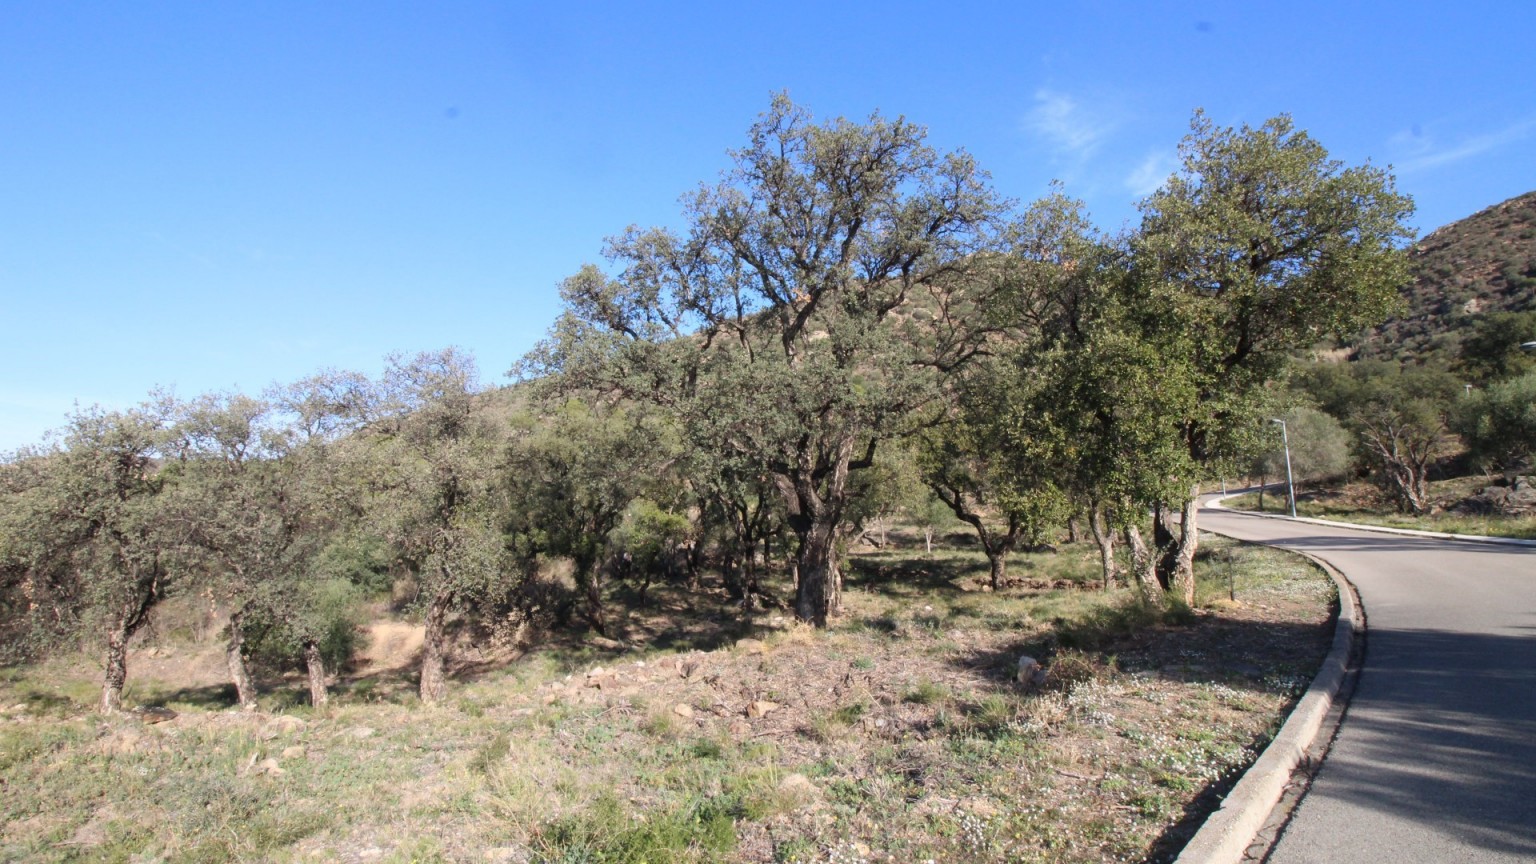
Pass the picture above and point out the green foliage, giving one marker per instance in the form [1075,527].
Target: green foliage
[650,535]
[1115,402]
[87,544]
[932,515]
[492,754]
[438,456]
[326,612]
[1499,423]
[443,496]
[1320,447]
[105,509]
[570,482]
[359,558]
[888,487]
[1398,415]
[1261,245]
[1491,351]
[849,714]
[996,462]
[926,692]
[1154,364]
[848,312]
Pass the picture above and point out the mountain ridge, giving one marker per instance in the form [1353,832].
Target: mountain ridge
[1464,270]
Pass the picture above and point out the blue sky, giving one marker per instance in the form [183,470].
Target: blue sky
[211,196]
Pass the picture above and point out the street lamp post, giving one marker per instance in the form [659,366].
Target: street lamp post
[1290,486]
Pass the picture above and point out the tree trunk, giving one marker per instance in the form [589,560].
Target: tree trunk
[693,560]
[1420,500]
[434,651]
[998,563]
[731,574]
[1072,533]
[1098,522]
[1189,541]
[1404,469]
[1143,568]
[592,587]
[1411,487]
[234,658]
[130,618]
[1164,541]
[319,694]
[751,594]
[645,582]
[1176,545]
[116,670]
[928,540]
[835,600]
[816,568]
[816,500]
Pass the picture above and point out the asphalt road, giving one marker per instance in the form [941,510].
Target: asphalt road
[1435,760]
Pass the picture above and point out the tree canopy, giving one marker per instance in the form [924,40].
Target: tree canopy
[847,324]
[812,308]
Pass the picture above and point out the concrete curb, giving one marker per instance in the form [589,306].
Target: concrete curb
[1227,833]
[1215,504]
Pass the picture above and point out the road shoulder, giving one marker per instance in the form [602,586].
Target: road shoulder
[1229,832]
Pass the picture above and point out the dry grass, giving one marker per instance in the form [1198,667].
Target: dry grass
[896,735]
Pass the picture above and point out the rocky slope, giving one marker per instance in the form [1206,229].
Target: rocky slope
[1481,264]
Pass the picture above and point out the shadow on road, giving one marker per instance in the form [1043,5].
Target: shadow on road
[1444,734]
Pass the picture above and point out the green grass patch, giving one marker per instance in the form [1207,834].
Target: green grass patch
[926,692]
[607,832]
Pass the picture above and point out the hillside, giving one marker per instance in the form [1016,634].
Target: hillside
[1483,263]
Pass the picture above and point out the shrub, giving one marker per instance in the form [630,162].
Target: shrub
[1499,423]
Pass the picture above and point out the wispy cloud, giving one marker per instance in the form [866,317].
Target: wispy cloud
[1422,152]
[1071,131]
[1062,120]
[1149,175]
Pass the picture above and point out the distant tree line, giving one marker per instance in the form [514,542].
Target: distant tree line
[849,327]
[1405,421]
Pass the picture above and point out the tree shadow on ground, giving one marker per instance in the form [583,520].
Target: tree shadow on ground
[213,697]
[395,684]
[894,577]
[1206,648]
[672,619]
[39,702]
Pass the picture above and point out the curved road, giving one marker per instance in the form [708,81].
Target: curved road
[1435,760]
